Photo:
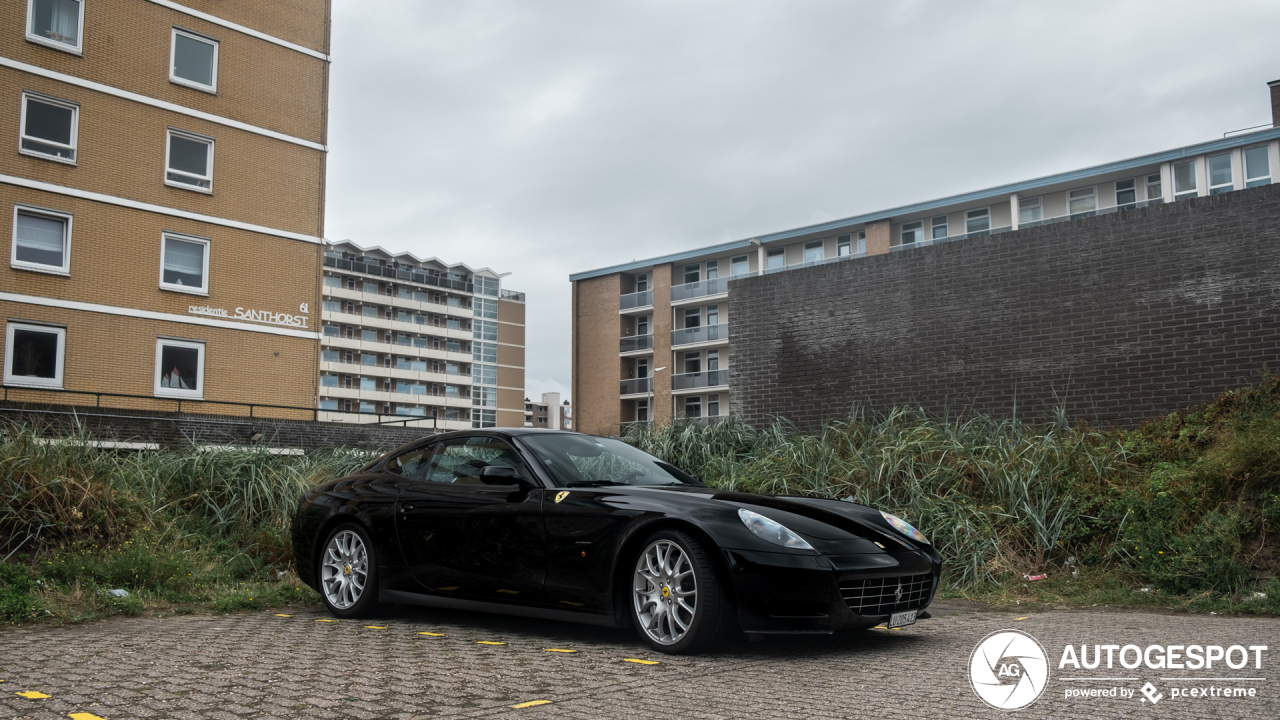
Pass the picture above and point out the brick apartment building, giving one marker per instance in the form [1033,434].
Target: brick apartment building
[550,413]
[653,339]
[165,188]
[414,337]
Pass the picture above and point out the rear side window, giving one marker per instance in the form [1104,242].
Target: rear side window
[460,460]
[412,464]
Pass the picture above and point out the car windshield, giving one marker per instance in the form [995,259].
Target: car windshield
[579,460]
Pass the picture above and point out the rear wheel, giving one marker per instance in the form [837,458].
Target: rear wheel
[678,604]
[349,572]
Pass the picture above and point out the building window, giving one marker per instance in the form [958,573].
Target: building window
[713,406]
[976,221]
[693,407]
[332,281]
[642,368]
[844,248]
[713,269]
[938,226]
[179,368]
[776,259]
[1030,211]
[713,315]
[693,362]
[57,23]
[642,282]
[642,325]
[1184,180]
[41,240]
[862,243]
[327,380]
[1257,167]
[1126,192]
[1220,174]
[1154,187]
[194,61]
[740,265]
[1082,202]
[912,233]
[34,355]
[813,251]
[693,318]
[692,273]
[182,264]
[713,361]
[189,161]
[642,411]
[49,128]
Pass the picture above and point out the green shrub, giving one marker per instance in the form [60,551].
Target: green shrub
[17,604]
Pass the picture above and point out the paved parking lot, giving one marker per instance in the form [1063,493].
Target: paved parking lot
[262,665]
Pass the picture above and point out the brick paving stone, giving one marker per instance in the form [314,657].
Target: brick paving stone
[260,666]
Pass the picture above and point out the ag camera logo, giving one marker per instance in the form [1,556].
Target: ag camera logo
[1008,670]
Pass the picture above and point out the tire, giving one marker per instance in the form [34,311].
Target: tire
[347,572]
[676,602]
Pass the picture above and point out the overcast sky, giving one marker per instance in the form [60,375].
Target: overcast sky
[545,137]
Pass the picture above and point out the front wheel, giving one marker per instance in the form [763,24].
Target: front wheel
[678,605]
[349,572]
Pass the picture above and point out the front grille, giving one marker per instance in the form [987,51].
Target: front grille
[880,596]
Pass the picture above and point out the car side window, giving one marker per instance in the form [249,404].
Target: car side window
[460,460]
[412,464]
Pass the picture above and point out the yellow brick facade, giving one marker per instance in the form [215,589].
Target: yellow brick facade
[108,300]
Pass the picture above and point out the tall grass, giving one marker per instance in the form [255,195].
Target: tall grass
[992,494]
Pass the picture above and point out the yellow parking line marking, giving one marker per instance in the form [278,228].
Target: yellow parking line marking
[326,620]
[489,642]
[32,695]
[531,703]
[642,662]
[432,634]
[376,627]
[558,650]
[277,615]
[1021,618]
[84,716]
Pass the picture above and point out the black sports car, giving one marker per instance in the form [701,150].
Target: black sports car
[574,527]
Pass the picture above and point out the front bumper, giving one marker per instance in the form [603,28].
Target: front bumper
[793,593]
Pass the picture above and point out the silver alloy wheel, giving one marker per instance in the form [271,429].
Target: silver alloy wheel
[344,570]
[665,592]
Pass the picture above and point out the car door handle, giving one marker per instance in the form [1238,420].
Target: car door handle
[406,508]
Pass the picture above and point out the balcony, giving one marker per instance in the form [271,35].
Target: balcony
[511,295]
[702,334]
[703,288]
[703,421]
[699,380]
[403,274]
[635,301]
[635,343]
[636,386]
[814,263]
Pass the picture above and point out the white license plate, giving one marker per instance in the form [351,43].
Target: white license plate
[901,619]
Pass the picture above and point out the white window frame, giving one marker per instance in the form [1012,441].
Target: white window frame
[746,261]
[74,147]
[168,145]
[821,247]
[697,269]
[59,363]
[1093,193]
[775,253]
[204,287]
[1134,189]
[1230,184]
[1037,203]
[934,225]
[65,270]
[985,215]
[861,249]
[173,56]
[1244,166]
[642,279]
[915,226]
[692,400]
[844,247]
[73,49]
[179,393]
[1149,183]
[1195,179]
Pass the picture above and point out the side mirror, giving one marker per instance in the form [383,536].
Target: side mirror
[501,475]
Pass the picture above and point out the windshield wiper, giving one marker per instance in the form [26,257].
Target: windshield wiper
[593,483]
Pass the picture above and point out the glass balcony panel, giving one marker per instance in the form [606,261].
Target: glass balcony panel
[636,342]
[635,300]
[635,386]
[706,333]
[710,378]
[712,286]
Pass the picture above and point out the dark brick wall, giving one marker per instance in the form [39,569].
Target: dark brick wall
[1119,317]
[174,430]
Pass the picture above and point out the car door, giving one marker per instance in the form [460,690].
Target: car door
[464,538]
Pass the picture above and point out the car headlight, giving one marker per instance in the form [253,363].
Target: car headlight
[904,527]
[771,530]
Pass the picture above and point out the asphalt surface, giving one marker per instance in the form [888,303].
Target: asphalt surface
[261,665]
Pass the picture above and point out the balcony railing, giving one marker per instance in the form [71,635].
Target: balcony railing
[705,333]
[813,263]
[635,386]
[702,288]
[511,295]
[703,421]
[631,301]
[710,378]
[398,274]
[635,343]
